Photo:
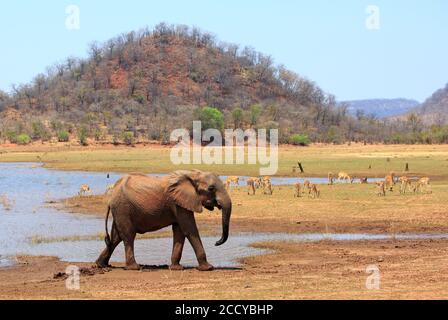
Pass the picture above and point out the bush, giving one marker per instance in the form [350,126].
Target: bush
[82,136]
[211,118]
[255,112]
[299,140]
[11,136]
[139,98]
[97,134]
[23,139]
[39,131]
[63,136]
[237,116]
[128,138]
[334,135]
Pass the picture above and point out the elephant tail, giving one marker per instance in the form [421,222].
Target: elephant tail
[107,238]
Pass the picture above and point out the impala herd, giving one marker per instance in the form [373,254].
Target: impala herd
[406,185]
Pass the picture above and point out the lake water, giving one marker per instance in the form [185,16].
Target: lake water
[28,187]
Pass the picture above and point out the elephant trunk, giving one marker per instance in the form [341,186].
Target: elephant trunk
[225,204]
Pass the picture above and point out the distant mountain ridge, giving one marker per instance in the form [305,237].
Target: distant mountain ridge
[381,108]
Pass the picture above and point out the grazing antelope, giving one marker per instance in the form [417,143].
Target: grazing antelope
[422,185]
[330,178]
[344,176]
[306,184]
[405,184]
[364,180]
[252,184]
[234,179]
[85,189]
[266,178]
[313,191]
[267,186]
[230,180]
[258,183]
[297,190]
[390,181]
[381,188]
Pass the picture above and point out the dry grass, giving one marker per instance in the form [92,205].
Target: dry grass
[317,160]
[341,208]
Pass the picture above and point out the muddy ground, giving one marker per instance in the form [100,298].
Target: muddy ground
[409,269]
[323,270]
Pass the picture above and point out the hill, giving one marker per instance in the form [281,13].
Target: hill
[435,109]
[381,108]
[150,82]
[141,85]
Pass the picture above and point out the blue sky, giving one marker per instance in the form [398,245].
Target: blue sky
[325,40]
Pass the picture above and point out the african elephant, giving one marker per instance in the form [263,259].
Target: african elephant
[141,204]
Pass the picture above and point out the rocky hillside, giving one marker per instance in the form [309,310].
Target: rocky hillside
[151,81]
[435,109]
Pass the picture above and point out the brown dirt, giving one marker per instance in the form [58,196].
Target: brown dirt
[323,270]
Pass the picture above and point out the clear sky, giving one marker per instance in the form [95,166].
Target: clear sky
[326,41]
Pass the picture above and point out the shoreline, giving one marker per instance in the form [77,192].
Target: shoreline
[321,270]
[312,220]
[327,269]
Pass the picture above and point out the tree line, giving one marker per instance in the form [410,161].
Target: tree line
[141,85]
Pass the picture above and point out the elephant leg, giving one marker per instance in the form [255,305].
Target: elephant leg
[103,259]
[178,246]
[189,228]
[131,264]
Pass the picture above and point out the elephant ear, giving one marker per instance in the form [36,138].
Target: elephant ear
[182,190]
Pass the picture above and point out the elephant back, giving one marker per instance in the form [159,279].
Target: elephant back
[143,192]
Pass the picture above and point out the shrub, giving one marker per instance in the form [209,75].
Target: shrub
[299,140]
[139,98]
[237,116]
[39,131]
[128,138]
[97,134]
[23,139]
[255,112]
[82,136]
[211,118]
[63,136]
[11,136]
[334,135]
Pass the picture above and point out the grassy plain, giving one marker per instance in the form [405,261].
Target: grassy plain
[317,160]
[410,269]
